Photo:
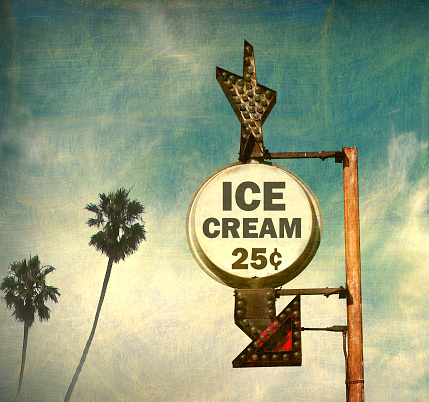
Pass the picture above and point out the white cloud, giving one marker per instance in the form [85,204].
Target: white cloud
[395,214]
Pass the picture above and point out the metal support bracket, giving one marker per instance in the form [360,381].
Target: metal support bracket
[338,155]
[334,328]
[341,292]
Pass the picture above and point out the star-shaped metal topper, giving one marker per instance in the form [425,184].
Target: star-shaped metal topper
[251,102]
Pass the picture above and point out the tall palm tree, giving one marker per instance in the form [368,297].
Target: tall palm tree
[25,292]
[122,230]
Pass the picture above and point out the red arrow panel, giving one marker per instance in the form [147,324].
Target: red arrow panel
[279,344]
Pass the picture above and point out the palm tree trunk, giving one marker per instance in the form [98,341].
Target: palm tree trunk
[24,352]
[91,336]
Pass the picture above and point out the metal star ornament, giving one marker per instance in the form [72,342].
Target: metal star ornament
[251,102]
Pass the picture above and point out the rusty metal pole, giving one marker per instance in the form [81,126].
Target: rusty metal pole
[353,275]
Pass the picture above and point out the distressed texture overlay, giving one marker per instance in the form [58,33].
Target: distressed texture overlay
[107,94]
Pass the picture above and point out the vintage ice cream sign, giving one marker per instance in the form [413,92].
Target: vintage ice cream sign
[253,225]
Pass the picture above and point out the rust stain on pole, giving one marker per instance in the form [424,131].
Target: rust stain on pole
[353,275]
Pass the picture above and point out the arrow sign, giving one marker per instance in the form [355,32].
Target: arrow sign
[279,344]
[251,102]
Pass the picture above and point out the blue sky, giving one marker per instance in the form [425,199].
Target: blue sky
[100,95]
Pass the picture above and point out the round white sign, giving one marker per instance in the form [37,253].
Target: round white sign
[254,225]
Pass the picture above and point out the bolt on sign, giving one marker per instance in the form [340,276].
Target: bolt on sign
[254,225]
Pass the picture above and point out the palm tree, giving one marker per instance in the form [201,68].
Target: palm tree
[122,230]
[25,291]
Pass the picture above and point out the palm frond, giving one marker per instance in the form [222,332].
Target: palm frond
[47,269]
[44,313]
[92,208]
[94,222]
[11,299]
[52,293]
[134,211]
[8,283]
